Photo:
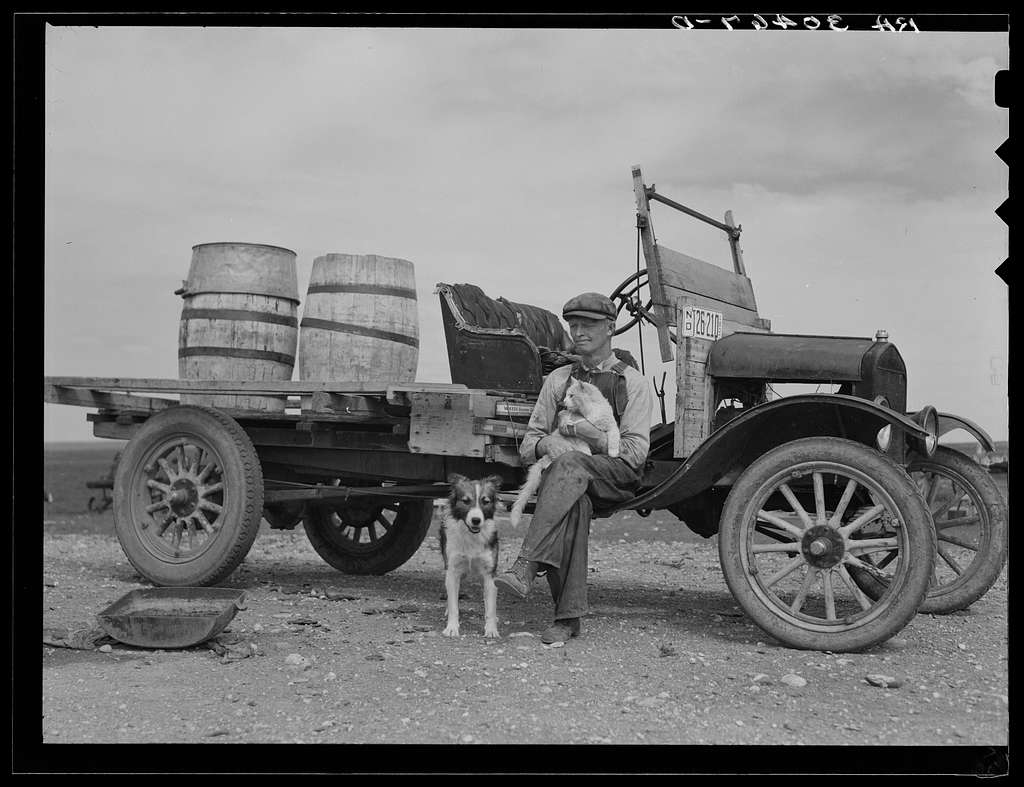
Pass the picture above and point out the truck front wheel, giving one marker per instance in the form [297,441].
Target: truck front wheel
[789,535]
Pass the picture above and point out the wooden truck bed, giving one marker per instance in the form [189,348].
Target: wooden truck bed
[424,418]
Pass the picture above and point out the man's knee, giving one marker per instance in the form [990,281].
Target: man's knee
[572,462]
[591,465]
[569,468]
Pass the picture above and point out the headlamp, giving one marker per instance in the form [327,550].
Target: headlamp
[883,438]
[928,419]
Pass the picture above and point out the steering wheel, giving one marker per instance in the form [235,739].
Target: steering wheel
[628,298]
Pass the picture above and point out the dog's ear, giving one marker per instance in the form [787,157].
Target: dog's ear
[455,478]
[494,480]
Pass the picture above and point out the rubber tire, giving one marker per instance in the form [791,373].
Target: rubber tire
[984,569]
[240,470]
[902,604]
[398,545]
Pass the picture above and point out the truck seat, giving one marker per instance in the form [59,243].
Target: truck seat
[497,344]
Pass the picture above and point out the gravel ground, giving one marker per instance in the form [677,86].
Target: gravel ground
[666,657]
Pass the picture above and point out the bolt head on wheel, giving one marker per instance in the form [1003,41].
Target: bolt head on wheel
[822,546]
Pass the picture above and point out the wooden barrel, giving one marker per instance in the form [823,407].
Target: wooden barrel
[360,320]
[239,320]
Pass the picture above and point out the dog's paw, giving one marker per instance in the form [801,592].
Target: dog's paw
[451,630]
[491,632]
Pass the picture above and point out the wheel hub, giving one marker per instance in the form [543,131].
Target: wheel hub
[822,546]
[184,497]
[359,513]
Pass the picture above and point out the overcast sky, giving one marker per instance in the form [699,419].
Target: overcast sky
[860,165]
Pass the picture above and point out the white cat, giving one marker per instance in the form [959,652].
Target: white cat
[583,402]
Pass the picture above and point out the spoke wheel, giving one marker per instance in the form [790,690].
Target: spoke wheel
[368,535]
[791,530]
[187,497]
[627,298]
[970,520]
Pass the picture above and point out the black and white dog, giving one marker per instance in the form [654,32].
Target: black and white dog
[469,542]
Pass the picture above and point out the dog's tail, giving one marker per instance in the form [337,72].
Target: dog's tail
[614,442]
[529,488]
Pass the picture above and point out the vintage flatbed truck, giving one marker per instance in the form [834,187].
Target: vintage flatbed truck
[837,513]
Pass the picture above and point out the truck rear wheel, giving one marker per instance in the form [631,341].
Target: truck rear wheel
[970,520]
[368,535]
[187,497]
[788,538]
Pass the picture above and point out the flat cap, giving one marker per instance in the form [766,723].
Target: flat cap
[592,305]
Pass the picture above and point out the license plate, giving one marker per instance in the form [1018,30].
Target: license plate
[513,409]
[702,323]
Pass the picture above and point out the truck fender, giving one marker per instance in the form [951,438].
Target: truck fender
[728,450]
[949,422]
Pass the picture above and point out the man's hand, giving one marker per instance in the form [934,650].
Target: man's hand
[552,448]
[595,438]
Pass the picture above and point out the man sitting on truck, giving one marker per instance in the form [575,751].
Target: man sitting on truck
[557,538]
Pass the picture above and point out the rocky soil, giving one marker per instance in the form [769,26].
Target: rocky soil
[666,657]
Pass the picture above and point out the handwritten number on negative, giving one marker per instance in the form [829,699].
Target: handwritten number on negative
[758,22]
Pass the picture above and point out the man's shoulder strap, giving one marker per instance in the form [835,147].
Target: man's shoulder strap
[619,367]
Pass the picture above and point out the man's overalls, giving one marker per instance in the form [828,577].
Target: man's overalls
[558,535]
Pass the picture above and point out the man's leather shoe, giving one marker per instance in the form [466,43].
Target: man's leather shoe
[518,578]
[561,631]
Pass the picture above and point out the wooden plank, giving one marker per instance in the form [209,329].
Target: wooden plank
[693,398]
[327,403]
[696,276]
[697,350]
[734,245]
[730,313]
[697,421]
[369,464]
[688,433]
[399,393]
[311,418]
[710,403]
[483,405]
[694,388]
[650,247]
[760,325]
[504,453]
[442,423]
[331,439]
[101,399]
[261,387]
[492,426]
